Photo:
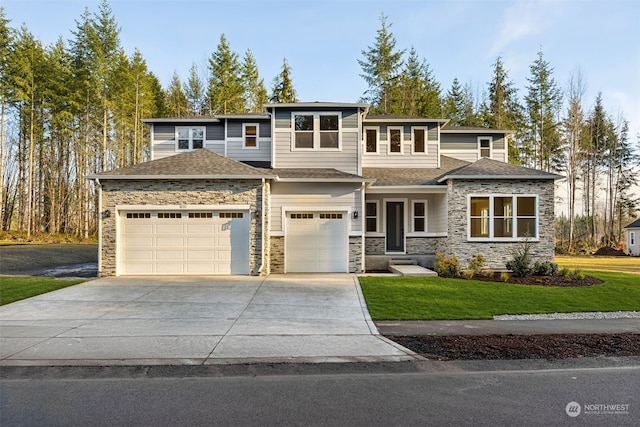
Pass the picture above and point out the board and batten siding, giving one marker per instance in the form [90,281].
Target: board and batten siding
[317,197]
[345,159]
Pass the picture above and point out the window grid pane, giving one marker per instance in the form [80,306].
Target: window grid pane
[394,141]
[418,140]
[372,141]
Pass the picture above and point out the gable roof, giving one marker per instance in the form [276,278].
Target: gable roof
[198,164]
[493,169]
[386,177]
[634,224]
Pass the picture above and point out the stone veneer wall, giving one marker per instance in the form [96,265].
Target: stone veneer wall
[276,261]
[355,254]
[497,253]
[414,245]
[178,192]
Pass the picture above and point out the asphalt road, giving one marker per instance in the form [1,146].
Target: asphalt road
[520,398]
[34,259]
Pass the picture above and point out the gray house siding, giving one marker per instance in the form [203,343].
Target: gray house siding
[215,132]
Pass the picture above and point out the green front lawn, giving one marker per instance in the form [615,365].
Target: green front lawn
[17,288]
[435,298]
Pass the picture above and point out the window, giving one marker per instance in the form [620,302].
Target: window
[200,214]
[484,145]
[250,135]
[190,138]
[371,140]
[329,131]
[169,215]
[301,216]
[418,141]
[395,140]
[419,217]
[632,238]
[371,217]
[316,131]
[503,217]
[330,216]
[231,215]
[138,215]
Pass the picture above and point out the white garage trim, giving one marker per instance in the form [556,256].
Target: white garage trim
[183,239]
[316,241]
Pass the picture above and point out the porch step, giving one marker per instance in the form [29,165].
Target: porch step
[411,270]
[403,261]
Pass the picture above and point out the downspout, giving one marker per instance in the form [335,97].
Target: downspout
[363,230]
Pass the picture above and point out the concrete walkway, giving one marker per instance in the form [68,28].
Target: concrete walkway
[195,320]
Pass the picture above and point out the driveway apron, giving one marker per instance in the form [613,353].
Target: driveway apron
[308,318]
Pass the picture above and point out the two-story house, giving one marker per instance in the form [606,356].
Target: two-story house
[318,187]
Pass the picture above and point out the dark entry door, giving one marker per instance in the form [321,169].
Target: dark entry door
[395,226]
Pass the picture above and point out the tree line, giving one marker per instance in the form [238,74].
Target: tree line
[554,130]
[75,108]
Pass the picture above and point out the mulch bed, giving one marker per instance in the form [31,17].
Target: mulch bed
[609,251]
[555,280]
[503,347]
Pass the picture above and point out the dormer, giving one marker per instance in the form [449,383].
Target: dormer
[474,143]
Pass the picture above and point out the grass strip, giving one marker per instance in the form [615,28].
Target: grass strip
[435,298]
[17,288]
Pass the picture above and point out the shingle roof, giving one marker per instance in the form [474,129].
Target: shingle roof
[413,176]
[315,174]
[634,224]
[492,169]
[448,128]
[196,164]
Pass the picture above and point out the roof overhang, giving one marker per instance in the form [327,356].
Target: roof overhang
[354,180]
[167,177]
[334,105]
[182,120]
[403,120]
[477,131]
[406,189]
[516,177]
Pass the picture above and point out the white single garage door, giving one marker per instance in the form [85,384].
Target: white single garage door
[170,242]
[316,242]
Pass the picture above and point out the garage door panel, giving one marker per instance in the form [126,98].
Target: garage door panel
[184,245]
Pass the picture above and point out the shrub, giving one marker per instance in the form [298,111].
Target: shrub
[520,262]
[579,274]
[476,263]
[468,273]
[565,272]
[504,276]
[446,266]
[488,273]
[545,268]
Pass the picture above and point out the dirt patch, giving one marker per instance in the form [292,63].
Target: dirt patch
[556,346]
[35,259]
[609,251]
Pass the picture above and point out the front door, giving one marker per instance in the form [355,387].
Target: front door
[395,226]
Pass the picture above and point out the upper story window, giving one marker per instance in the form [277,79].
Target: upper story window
[632,238]
[250,135]
[395,140]
[503,217]
[316,131]
[484,146]
[419,145]
[371,140]
[190,138]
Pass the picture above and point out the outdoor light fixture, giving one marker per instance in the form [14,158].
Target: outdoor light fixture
[355,214]
[106,214]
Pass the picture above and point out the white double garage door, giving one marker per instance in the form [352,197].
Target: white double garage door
[166,241]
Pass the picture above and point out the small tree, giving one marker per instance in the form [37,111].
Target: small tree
[520,262]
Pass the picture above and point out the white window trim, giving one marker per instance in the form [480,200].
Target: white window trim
[384,224]
[535,238]
[316,129]
[485,138]
[413,232]
[244,136]
[425,129]
[364,140]
[632,238]
[389,129]
[190,128]
[377,232]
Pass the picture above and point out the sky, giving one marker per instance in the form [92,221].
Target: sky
[323,39]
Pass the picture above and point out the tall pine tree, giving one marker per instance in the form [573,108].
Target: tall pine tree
[282,88]
[226,89]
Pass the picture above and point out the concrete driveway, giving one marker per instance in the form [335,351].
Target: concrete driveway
[195,320]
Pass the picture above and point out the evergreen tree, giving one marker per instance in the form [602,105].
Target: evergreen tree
[502,110]
[6,45]
[226,91]
[195,93]
[282,88]
[177,102]
[432,98]
[543,101]
[381,67]
[256,93]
